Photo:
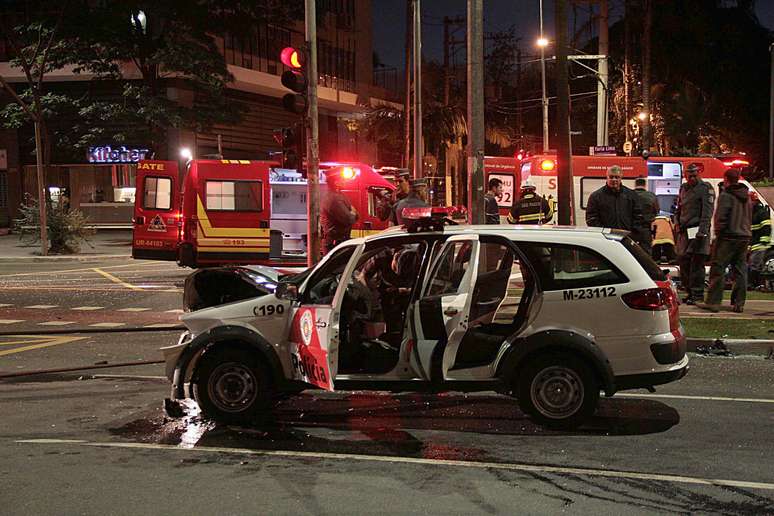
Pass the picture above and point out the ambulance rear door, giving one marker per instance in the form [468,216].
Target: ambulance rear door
[156,221]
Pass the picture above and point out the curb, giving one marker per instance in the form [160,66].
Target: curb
[65,258]
[736,346]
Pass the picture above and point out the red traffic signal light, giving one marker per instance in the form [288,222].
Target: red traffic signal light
[292,58]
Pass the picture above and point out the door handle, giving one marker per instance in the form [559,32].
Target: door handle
[451,312]
[321,324]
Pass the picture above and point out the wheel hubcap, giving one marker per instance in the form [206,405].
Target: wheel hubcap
[557,392]
[232,387]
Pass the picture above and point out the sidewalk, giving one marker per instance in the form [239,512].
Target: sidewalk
[105,244]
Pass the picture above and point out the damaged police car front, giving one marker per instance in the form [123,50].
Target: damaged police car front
[549,315]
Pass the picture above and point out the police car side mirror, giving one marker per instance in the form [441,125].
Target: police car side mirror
[287,291]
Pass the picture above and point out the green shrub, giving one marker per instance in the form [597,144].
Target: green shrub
[67,228]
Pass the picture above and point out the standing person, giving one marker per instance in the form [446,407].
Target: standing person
[761,238]
[530,208]
[491,209]
[337,214]
[614,205]
[402,178]
[417,198]
[648,203]
[732,237]
[692,221]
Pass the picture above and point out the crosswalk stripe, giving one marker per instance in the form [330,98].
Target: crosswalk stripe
[10,321]
[87,308]
[107,325]
[132,309]
[41,307]
[56,323]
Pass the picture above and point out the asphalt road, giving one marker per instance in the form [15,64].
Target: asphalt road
[97,442]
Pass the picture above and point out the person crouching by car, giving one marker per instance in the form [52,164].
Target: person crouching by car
[732,223]
[336,216]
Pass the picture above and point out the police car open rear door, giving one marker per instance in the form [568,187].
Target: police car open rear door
[440,317]
[156,228]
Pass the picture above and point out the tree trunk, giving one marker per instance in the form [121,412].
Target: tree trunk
[647,130]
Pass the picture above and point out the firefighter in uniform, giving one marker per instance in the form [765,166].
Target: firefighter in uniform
[531,208]
[761,239]
[337,215]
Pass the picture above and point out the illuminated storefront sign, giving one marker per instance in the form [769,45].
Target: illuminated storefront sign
[107,154]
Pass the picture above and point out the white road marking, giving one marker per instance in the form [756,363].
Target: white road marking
[87,308]
[41,307]
[175,311]
[5,305]
[56,323]
[107,325]
[132,309]
[159,325]
[10,321]
[131,376]
[560,470]
[684,397]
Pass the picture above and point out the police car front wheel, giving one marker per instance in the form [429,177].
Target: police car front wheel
[557,390]
[233,387]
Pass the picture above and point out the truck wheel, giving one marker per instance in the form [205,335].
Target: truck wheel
[557,390]
[233,386]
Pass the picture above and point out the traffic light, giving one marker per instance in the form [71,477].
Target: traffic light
[295,80]
[292,141]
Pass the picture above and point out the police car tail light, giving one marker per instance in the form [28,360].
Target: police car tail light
[649,299]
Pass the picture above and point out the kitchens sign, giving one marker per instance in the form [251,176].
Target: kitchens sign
[107,154]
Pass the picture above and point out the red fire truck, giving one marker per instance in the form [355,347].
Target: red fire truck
[237,211]
[664,175]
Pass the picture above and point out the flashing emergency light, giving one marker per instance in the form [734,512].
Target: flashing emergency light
[435,213]
[292,58]
[547,165]
[737,163]
[348,172]
[186,154]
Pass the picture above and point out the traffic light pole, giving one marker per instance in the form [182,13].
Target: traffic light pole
[313,149]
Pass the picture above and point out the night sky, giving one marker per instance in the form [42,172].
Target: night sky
[390,22]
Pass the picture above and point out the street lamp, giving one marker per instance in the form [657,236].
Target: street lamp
[542,42]
[642,116]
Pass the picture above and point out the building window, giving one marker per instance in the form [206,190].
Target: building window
[234,195]
[157,193]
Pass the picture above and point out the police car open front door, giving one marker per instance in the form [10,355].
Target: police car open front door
[314,332]
[442,313]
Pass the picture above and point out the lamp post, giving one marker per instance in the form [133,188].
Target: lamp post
[543,43]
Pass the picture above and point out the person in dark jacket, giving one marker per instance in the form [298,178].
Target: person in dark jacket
[761,239]
[417,198]
[337,214]
[732,236]
[692,225]
[530,208]
[402,180]
[491,209]
[648,203]
[614,205]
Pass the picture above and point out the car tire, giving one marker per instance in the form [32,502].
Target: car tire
[233,386]
[557,390]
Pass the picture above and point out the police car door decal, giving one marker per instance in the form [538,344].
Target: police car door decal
[309,346]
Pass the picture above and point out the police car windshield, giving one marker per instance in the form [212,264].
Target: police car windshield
[642,257]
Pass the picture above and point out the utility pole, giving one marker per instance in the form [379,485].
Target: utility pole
[563,142]
[771,115]
[446,90]
[476,111]
[627,71]
[419,153]
[313,149]
[407,103]
[604,50]
[544,101]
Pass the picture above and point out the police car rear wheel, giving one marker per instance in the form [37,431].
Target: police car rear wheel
[558,391]
[233,387]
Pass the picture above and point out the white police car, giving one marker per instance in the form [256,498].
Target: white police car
[550,315]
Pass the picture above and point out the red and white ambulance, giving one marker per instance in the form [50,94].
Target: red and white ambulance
[238,211]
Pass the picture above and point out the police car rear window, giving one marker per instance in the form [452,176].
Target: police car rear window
[561,267]
[642,257]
